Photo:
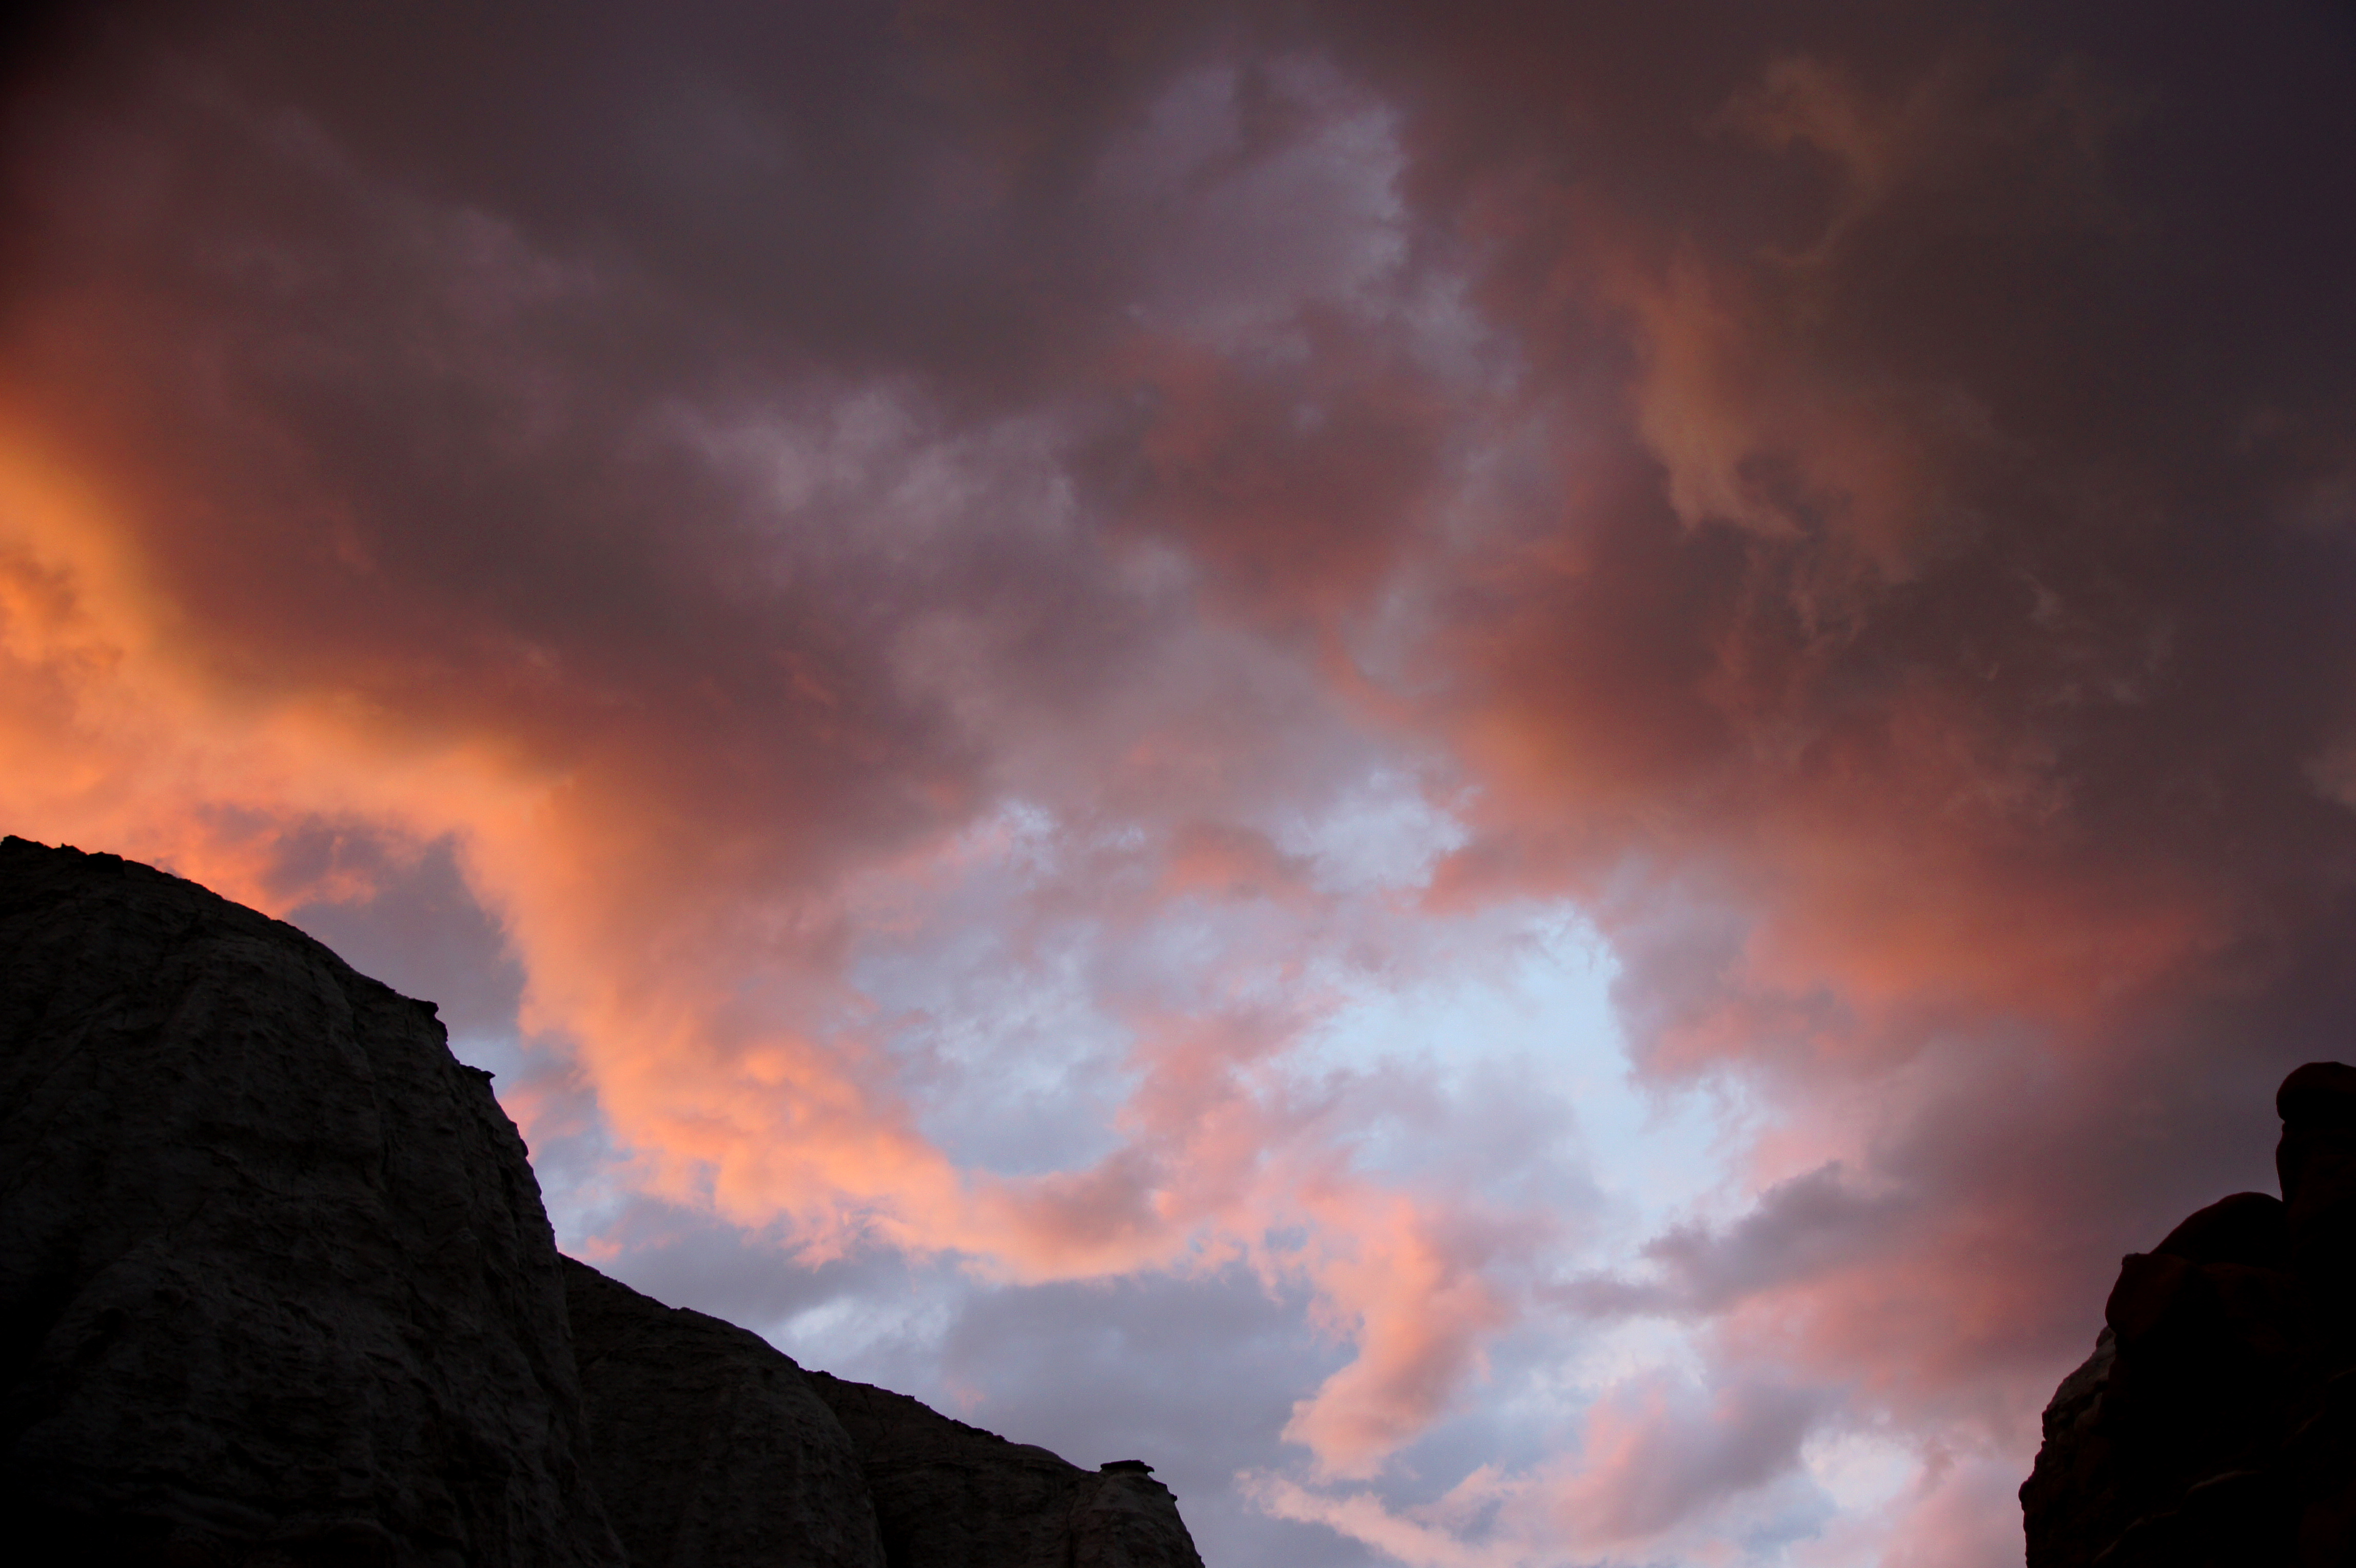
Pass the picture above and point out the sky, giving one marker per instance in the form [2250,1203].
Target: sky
[1509,776]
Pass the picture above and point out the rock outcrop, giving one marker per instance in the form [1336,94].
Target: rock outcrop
[277,1291]
[707,1443]
[2215,1423]
[275,1282]
[949,1493]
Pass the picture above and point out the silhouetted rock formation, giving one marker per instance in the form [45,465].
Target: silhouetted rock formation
[273,1269]
[707,1444]
[949,1493]
[276,1289]
[2215,1423]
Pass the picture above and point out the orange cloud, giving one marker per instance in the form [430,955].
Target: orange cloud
[1848,503]
[638,899]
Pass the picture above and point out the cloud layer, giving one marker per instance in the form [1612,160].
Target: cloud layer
[1027,666]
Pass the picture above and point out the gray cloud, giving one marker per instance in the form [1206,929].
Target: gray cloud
[1860,500]
[1799,1230]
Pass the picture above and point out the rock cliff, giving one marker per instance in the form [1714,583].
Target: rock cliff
[276,1288]
[707,1444]
[946,1492]
[274,1275]
[2215,1423]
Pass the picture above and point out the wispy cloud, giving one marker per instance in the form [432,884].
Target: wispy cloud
[1012,630]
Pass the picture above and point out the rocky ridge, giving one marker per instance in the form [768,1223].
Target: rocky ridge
[2215,1422]
[277,1291]
[947,1492]
[708,1445]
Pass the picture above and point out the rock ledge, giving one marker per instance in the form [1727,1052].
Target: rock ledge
[277,1291]
[2215,1422]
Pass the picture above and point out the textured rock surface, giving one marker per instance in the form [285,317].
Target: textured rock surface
[946,1493]
[276,1283]
[2215,1423]
[277,1291]
[708,1445]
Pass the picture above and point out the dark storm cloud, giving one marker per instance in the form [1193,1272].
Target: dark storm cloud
[1861,498]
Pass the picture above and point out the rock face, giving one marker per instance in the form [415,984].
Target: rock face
[277,1291]
[2215,1423]
[707,1444]
[949,1493]
[276,1283]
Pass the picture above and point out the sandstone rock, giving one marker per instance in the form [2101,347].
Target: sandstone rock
[275,1282]
[2316,1162]
[2215,1423]
[946,1493]
[277,1291]
[2249,1228]
[708,1445]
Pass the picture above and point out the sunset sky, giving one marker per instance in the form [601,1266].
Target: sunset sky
[1509,776]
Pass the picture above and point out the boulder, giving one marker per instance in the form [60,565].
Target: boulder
[275,1282]
[2248,1228]
[2315,1163]
[946,1493]
[2215,1423]
[708,1445]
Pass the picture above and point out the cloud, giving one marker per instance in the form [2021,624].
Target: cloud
[1656,1451]
[1799,1230]
[1364,1517]
[1662,1464]
[955,596]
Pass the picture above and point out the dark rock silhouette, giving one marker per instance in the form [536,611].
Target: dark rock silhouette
[707,1444]
[276,1283]
[277,1291]
[2215,1423]
[949,1493]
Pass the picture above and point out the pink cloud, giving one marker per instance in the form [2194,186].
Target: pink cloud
[1855,506]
